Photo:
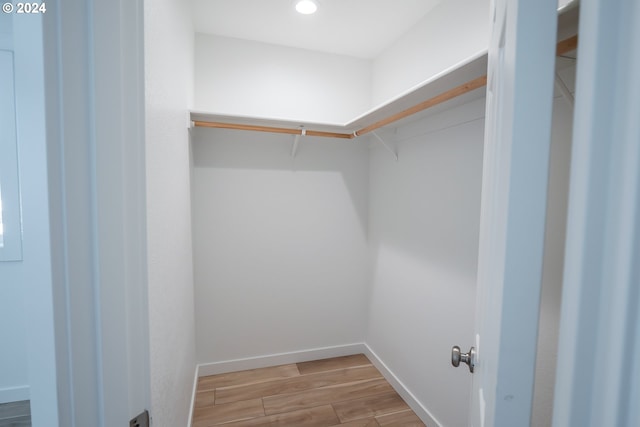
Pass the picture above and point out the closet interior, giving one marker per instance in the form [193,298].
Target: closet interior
[317,238]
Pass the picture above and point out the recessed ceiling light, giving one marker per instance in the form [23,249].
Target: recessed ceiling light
[306,7]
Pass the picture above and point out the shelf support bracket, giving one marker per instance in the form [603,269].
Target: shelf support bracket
[296,141]
[564,90]
[392,150]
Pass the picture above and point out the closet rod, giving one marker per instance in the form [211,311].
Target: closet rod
[567,45]
[438,99]
[562,47]
[220,125]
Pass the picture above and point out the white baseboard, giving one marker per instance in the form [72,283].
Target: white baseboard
[223,367]
[402,390]
[14,394]
[193,396]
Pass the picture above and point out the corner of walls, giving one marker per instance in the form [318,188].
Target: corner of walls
[169,44]
[415,404]
[264,361]
[194,392]
[249,78]
[276,239]
[424,257]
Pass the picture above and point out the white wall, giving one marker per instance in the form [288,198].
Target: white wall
[248,78]
[253,211]
[168,37]
[280,244]
[451,32]
[6,31]
[254,208]
[36,272]
[14,381]
[424,219]
[240,77]
[424,214]
[13,333]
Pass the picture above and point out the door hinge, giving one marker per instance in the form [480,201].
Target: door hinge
[141,420]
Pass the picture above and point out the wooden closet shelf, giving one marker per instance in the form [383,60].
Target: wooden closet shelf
[271,129]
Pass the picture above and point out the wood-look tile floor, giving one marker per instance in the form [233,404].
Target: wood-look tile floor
[15,414]
[345,391]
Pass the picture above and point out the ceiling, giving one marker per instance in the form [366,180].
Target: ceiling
[358,28]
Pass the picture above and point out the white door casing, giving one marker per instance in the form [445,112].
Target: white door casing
[93,77]
[513,207]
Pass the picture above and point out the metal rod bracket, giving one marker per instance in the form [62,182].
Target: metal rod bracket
[296,141]
[393,150]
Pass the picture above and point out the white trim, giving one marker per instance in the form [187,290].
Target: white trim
[10,216]
[15,394]
[193,395]
[225,366]
[96,189]
[423,413]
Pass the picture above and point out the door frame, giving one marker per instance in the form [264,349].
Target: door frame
[597,382]
[600,317]
[88,324]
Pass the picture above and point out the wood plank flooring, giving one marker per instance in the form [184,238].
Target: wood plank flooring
[344,391]
[15,414]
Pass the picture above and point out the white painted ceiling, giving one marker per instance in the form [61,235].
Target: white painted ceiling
[358,28]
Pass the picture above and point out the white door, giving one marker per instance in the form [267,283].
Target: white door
[514,193]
